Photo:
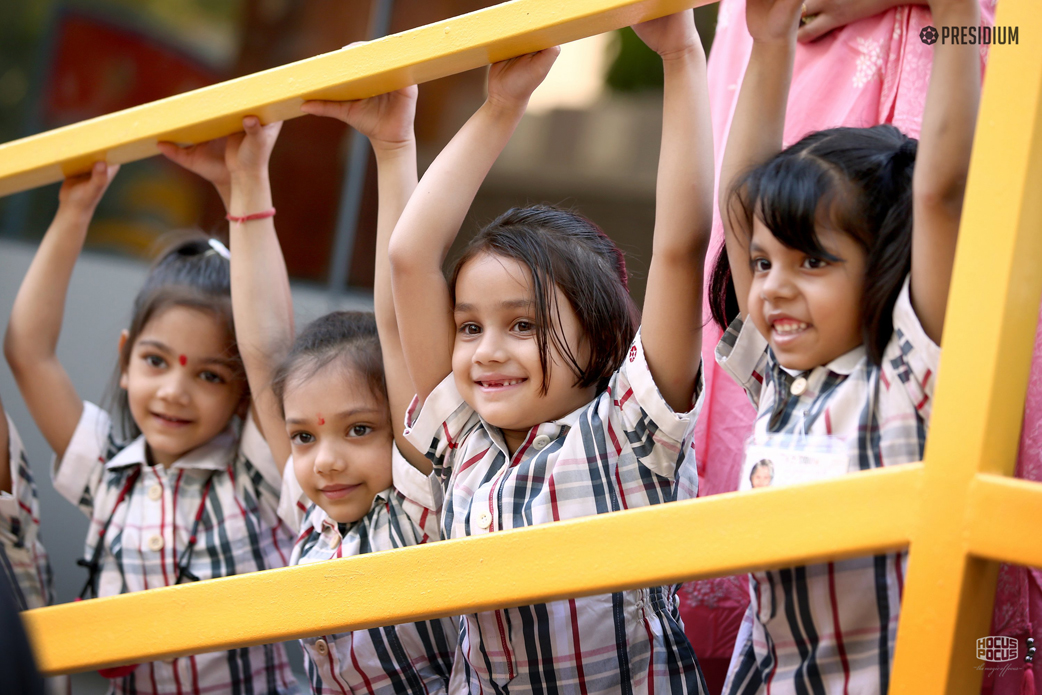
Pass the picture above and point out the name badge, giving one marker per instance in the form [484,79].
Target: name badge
[777,460]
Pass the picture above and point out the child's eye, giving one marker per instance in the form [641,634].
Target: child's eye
[470,329]
[211,377]
[760,265]
[524,326]
[155,361]
[302,438]
[814,263]
[360,430]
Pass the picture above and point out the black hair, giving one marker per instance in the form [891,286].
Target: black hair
[564,250]
[854,180]
[190,272]
[347,335]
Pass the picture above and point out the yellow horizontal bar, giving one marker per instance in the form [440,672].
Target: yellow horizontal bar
[858,514]
[1002,520]
[411,57]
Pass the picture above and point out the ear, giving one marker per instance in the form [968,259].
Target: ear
[123,336]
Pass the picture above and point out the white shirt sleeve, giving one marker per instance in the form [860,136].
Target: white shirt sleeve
[78,474]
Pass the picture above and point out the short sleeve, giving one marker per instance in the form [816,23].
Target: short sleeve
[742,353]
[256,456]
[655,433]
[436,427]
[645,394]
[911,357]
[293,503]
[79,473]
[421,496]
[17,507]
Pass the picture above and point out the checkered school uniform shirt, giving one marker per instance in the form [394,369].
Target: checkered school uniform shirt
[831,628]
[414,658]
[239,532]
[620,451]
[22,555]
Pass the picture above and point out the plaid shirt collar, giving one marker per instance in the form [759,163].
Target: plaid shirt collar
[551,430]
[214,455]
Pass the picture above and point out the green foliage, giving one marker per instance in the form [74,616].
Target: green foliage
[636,67]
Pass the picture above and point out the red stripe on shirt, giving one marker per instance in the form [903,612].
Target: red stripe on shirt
[358,668]
[578,647]
[838,631]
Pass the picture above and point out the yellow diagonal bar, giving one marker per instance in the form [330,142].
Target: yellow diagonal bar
[1003,519]
[988,337]
[860,514]
[411,57]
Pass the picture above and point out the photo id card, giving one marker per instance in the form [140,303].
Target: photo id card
[789,459]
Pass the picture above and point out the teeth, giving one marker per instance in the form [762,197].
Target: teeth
[789,327]
[509,382]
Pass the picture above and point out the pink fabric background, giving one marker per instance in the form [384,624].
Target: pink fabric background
[872,71]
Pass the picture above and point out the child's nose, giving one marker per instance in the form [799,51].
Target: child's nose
[777,284]
[326,459]
[490,348]
[175,386]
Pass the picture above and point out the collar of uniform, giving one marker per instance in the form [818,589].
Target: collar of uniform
[551,430]
[847,362]
[213,455]
[317,519]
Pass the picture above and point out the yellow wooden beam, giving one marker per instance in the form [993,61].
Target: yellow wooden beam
[411,57]
[978,405]
[859,514]
[1002,520]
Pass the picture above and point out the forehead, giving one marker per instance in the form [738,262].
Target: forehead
[491,279]
[187,330]
[835,242]
[335,387]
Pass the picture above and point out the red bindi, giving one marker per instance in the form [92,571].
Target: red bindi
[183,360]
[321,420]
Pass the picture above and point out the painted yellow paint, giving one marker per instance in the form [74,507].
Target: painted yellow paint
[958,510]
[988,337]
[643,547]
[419,55]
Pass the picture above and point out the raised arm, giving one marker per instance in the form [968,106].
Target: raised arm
[436,210]
[758,122]
[387,120]
[36,317]
[5,453]
[262,306]
[942,164]
[671,328]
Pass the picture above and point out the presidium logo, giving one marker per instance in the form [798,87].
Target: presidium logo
[983,35]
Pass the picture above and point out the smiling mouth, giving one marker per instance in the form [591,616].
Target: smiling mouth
[499,383]
[788,328]
[335,492]
[171,419]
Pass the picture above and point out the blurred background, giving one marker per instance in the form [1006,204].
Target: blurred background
[589,141]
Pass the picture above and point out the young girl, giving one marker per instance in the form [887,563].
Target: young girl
[328,406]
[539,399]
[840,249]
[179,495]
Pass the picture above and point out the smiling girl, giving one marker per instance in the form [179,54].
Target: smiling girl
[332,403]
[188,490]
[538,399]
[839,256]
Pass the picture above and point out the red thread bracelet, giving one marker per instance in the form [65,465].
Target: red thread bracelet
[262,215]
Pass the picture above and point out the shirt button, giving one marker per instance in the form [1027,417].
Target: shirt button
[484,520]
[155,543]
[540,442]
[321,647]
[155,492]
[798,386]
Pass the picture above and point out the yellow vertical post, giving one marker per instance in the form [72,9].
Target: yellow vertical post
[988,334]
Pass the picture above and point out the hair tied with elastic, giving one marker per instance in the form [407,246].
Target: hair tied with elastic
[904,155]
[220,249]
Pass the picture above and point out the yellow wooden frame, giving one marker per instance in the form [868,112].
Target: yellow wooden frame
[959,511]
